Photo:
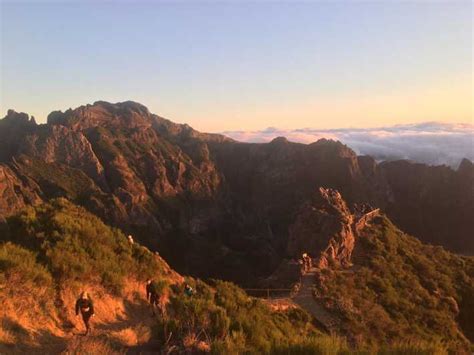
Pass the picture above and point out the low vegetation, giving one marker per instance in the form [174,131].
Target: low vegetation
[59,180]
[401,289]
[58,246]
[72,245]
[225,318]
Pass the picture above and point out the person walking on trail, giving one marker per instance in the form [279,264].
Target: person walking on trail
[309,262]
[85,306]
[306,262]
[188,290]
[152,295]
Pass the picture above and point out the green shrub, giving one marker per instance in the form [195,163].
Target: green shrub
[75,245]
[398,290]
[379,303]
[234,322]
[19,265]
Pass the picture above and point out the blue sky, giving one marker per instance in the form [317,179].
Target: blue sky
[243,65]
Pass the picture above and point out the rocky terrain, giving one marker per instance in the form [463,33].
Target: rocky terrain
[373,283]
[212,206]
[372,289]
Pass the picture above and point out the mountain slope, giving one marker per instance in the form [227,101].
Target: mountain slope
[399,288]
[212,206]
[433,203]
[54,251]
[50,253]
[373,283]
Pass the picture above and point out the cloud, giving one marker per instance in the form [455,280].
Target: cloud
[433,143]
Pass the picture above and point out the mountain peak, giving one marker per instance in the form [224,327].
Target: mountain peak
[19,117]
[102,113]
[125,105]
[279,140]
[466,170]
[465,164]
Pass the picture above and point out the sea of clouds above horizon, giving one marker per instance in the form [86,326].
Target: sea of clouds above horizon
[431,143]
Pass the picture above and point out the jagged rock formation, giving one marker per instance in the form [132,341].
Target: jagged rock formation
[326,229]
[16,192]
[58,144]
[210,205]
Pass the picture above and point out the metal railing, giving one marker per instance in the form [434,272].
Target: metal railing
[271,292]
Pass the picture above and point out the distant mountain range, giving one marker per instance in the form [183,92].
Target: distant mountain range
[213,206]
[433,143]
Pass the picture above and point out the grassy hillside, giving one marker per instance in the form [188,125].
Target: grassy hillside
[402,289]
[53,251]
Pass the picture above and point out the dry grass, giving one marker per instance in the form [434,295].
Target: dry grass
[36,321]
[92,345]
[7,337]
[192,342]
[127,336]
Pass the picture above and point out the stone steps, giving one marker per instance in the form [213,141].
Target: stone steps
[306,300]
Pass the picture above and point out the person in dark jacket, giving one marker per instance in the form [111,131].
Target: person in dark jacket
[188,290]
[152,295]
[85,306]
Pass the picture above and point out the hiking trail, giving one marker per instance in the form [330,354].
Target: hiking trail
[305,299]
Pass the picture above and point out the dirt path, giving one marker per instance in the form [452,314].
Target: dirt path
[305,300]
[123,324]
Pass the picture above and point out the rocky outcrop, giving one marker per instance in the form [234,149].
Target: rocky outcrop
[13,127]
[16,192]
[129,114]
[323,227]
[60,144]
[327,229]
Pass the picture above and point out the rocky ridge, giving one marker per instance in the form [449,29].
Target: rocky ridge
[327,230]
[211,205]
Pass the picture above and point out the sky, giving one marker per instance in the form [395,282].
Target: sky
[235,65]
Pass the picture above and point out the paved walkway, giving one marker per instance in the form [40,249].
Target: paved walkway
[306,300]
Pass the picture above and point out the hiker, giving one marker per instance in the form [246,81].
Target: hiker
[309,262]
[86,307]
[188,290]
[306,262]
[130,240]
[152,295]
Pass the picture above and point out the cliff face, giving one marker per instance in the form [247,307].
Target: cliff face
[59,144]
[323,225]
[16,192]
[117,148]
[327,229]
[432,203]
[210,205]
